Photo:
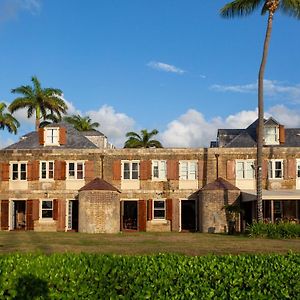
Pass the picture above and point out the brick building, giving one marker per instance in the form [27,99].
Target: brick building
[59,179]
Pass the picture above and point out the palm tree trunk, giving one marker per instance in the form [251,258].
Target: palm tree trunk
[260,138]
[37,118]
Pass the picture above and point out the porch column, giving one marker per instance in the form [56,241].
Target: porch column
[272,211]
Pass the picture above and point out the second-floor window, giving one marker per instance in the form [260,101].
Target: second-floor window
[245,169]
[188,170]
[130,169]
[52,136]
[275,169]
[159,169]
[75,170]
[47,170]
[18,171]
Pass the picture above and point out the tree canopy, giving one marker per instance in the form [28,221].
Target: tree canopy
[142,140]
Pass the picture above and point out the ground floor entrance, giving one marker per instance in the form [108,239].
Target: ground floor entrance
[72,222]
[17,215]
[188,216]
[129,215]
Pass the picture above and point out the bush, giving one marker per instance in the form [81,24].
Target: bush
[274,231]
[91,276]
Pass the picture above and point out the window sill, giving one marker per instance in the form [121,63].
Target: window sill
[159,221]
[159,179]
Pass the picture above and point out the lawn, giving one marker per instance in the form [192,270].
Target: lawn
[142,243]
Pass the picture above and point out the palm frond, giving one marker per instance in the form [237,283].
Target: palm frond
[239,8]
[290,7]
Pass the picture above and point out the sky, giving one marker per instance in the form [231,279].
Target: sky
[172,65]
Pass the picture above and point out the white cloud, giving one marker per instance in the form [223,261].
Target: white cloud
[10,9]
[113,124]
[271,88]
[160,66]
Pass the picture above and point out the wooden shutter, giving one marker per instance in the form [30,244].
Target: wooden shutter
[59,170]
[200,169]
[4,214]
[35,209]
[230,169]
[55,209]
[291,168]
[142,215]
[169,209]
[145,167]
[281,134]
[265,169]
[33,170]
[41,136]
[149,209]
[61,221]
[62,136]
[29,215]
[89,171]
[5,172]
[117,170]
[172,170]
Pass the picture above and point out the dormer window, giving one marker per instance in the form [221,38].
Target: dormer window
[52,136]
[271,135]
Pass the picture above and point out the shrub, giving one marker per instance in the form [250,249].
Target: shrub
[91,276]
[275,231]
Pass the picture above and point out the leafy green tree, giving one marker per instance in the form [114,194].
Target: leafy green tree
[142,140]
[244,8]
[7,120]
[81,123]
[39,101]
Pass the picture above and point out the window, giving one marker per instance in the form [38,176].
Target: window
[52,136]
[47,170]
[75,170]
[159,169]
[245,169]
[130,169]
[271,135]
[188,170]
[275,170]
[18,171]
[159,209]
[47,209]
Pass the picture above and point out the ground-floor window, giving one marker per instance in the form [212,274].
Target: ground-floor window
[159,209]
[47,209]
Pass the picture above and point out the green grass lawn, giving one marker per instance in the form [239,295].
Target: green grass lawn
[142,243]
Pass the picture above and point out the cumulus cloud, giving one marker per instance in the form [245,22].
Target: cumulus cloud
[10,9]
[271,88]
[160,66]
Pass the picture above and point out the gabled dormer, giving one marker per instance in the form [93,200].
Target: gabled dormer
[52,135]
[274,133]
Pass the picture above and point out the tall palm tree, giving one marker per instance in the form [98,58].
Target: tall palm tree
[38,100]
[7,120]
[244,8]
[143,140]
[81,123]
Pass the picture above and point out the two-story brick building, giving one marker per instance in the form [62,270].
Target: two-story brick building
[59,179]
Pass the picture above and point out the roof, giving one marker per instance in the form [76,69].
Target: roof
[250,195]
[75,140]
[99,184]
[92,133]
[220,184]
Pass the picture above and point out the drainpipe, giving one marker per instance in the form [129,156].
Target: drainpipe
[102,167]
[217,164]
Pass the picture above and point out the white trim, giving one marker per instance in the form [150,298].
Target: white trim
[10,200]
[75,162]
[56,141]
[11,163]
[47,170]
[160,209]
[160,164]
[189,173]
[130,162]
[41,209]
[271,173]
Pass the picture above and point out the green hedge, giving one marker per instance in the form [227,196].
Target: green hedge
[88,276]
[275,231]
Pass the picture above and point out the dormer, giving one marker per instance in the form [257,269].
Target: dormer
[52,136]
[273,132]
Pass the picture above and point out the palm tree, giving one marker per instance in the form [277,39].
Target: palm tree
[143,140]
[81,123]
[7,120]
[244,8]
[38,100]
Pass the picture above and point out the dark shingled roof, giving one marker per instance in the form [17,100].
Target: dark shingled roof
[99,184]
[92,133]
[75,140]
[220,184]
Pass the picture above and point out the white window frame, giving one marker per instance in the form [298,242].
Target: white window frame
[188,173]
[54,137]
[19,172]
[130,170]
[76,163]
[48,169]
[244,172]
[273,138]
[48,209]
[159,209]
[272,169]
[161,170]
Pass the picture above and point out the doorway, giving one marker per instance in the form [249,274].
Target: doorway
[129,215]
[18,215]
[73,208]
[188,215]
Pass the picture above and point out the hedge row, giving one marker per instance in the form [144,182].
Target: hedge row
[91,276]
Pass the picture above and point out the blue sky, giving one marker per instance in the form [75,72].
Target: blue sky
[173,65]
